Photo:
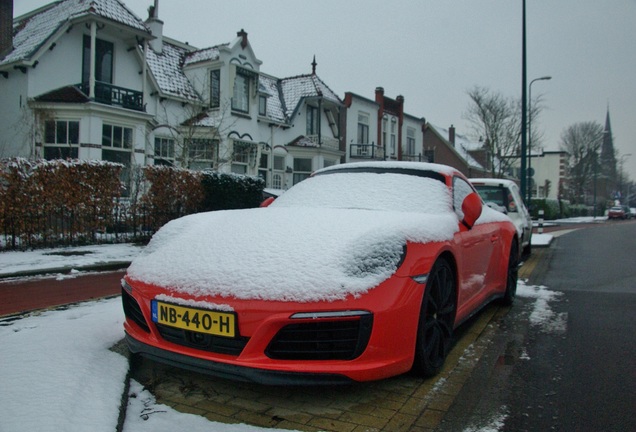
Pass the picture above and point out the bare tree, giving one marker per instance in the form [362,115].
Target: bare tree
[201,135]
[582,141]
[496,120]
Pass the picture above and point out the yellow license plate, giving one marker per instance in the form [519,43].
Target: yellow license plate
[198,320]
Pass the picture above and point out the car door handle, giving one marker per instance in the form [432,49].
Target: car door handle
[494,238]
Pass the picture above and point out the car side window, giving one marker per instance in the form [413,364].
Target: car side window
[461,189]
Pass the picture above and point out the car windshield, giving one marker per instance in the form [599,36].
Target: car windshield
[493,194]
[370,191]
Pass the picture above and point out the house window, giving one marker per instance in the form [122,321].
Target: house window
[410,141]
[262,105]
[117,144]
[312,120]
[240,99]
[385,126]
[302,169]
[263,166]
[201,152]
[164,151]
[279,172]
[103,60]
[242,153]
[363,128]
[61,139]
[279,163]
[215,88]
[393,136]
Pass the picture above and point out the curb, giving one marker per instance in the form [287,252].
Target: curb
[116,265]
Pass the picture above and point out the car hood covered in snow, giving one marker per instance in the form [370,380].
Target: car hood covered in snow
[284,254]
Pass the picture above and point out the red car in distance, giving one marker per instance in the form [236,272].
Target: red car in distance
[358,273]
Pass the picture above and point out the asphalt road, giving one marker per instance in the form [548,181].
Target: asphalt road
[577,374]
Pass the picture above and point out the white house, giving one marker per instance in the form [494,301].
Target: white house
[91,80]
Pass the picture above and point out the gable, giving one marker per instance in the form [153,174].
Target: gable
[33,31]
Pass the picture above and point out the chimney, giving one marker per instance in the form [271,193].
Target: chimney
[451,135]
[243,35]
[156,28]
[6,27]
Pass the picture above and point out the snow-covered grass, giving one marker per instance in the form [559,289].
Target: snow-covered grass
[57,373]
[71,258]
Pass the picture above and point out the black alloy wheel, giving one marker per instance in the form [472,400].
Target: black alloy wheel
[512,275]
[437,318]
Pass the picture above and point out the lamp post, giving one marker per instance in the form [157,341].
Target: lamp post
[544,78]
[524,102]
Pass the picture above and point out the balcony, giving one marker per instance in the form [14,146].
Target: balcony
[366,151]
[113,95]
[327,142]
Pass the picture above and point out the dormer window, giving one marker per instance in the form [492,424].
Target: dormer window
[262,105]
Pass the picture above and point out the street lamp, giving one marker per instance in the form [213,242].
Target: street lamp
[544,78]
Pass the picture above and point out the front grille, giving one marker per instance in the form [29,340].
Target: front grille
[202,341]
[322,340]
[133,311]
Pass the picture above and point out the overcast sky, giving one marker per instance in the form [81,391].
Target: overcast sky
[433,51]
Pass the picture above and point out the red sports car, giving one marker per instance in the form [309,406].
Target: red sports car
[358,273]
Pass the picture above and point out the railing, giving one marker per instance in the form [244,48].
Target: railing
[332,143]
[66,227]
[113,95]
[412,157]
[366,151]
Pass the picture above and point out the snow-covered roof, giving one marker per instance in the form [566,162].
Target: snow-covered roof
[31,31]
[296,88]
[168,73]
[275,103]
[205,54]
[462,146]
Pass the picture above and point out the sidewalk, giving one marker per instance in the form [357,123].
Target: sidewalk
[67,260]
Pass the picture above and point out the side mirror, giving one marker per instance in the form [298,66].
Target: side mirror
[471,207]
[267,202]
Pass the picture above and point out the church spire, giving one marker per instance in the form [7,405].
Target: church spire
[608,156]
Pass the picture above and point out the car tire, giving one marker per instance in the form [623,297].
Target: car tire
[527,251]
[512,275]
[437,318]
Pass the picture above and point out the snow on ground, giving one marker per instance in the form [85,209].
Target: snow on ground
[73,257]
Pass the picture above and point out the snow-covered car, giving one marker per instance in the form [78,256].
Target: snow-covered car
[360,272]
[504,194]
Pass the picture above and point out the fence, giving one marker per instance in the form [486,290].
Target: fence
[68,227]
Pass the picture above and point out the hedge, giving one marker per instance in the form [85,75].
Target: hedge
[63,202]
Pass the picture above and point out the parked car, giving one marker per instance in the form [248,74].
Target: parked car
[504,195]
[616,212]
[360,272]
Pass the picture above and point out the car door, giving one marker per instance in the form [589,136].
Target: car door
[475,253]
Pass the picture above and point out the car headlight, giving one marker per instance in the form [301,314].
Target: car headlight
[376,261]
